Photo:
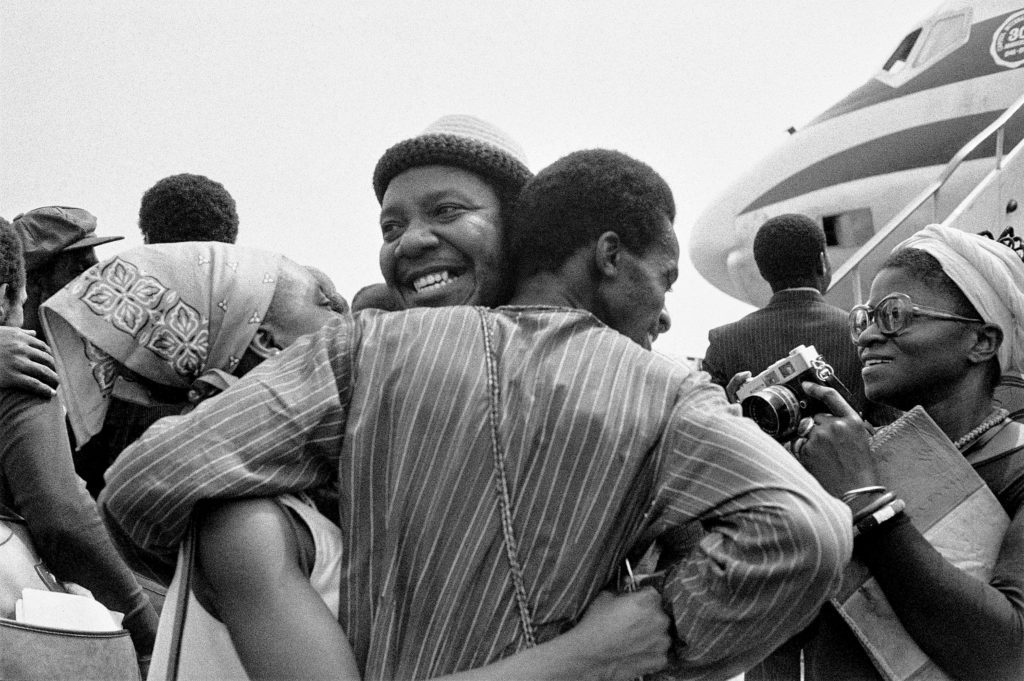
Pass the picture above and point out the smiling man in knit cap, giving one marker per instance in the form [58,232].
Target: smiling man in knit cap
[445,198]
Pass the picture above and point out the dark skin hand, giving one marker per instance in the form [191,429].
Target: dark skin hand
[922,586]
[249,573]
[836,451]
[26,363]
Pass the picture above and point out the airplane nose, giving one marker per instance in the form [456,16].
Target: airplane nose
[708,248]
[721,246]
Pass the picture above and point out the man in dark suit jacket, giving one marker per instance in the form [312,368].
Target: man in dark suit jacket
[790,254]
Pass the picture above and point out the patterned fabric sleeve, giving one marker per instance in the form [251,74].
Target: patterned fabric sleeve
[768,545]
[277,430]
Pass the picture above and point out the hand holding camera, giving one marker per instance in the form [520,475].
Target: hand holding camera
[835,447]
[800,402]
[776,400]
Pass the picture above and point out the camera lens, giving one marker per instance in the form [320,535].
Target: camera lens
[776,410]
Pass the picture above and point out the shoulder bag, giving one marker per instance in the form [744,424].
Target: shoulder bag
[29,652]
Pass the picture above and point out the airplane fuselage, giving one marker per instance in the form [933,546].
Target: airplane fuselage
[861,161]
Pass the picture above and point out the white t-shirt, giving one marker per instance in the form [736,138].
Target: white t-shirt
[206,649]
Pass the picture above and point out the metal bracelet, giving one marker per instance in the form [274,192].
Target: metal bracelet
[854,493]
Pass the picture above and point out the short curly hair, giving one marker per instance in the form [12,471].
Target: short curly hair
[577,198]
[12,261]
[787,250]
[188,207]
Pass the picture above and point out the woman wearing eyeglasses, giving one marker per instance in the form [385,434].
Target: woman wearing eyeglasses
[944,319]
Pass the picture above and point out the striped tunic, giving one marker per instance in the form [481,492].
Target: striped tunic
[608,447]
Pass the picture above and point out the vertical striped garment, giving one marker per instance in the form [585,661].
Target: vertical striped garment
[609,447]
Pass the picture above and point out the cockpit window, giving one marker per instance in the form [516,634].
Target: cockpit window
[944,36]
[898,60]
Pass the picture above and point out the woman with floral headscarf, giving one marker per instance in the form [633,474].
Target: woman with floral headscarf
[149,332]
[944,320]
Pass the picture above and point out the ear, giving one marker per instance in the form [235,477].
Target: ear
[823,263]
[607,252]
[3,302]
[263,345]
[987,340]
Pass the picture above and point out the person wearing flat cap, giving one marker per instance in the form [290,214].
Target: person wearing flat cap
[58,246]
[25,361]
[59,243]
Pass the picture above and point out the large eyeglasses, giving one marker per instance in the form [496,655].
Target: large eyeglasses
[894,314]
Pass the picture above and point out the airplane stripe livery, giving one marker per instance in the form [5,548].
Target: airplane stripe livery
[923,145]
[971,60]
[860,163]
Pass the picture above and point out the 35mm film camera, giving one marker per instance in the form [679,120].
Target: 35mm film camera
[775,400]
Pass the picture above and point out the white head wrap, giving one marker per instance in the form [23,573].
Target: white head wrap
[990,274]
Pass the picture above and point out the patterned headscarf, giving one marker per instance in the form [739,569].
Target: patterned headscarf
[990,274]
[168,313]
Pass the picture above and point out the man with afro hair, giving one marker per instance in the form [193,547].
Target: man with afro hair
[600,192]
[188,207]
[790,252]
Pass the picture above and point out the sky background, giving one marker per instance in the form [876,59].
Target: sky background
[290,105]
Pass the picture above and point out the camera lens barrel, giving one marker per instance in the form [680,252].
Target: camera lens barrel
[775,409]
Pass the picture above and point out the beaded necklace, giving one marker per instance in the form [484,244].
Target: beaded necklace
[988,424]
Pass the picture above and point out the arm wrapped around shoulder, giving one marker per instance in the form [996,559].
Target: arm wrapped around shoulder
[277,430]
[752,543]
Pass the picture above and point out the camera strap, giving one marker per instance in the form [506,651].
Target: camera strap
[827,376]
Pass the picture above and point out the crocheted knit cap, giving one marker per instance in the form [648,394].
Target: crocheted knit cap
[464,142]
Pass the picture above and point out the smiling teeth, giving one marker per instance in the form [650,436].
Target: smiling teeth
[433,280]
[873,362]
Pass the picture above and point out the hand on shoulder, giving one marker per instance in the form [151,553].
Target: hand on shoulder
[26,363]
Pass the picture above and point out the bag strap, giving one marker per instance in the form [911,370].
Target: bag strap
[187,566]
[501,484]
[17,530]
